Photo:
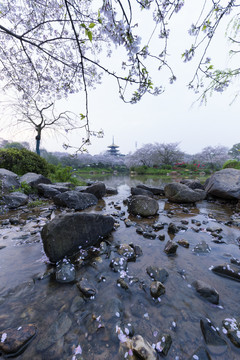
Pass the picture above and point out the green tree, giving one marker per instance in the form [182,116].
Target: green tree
[234,152]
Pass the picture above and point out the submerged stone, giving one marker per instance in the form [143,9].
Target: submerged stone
[200,354]
[202,248]
[158,274]
[216,344]
[206,291]
[55,332]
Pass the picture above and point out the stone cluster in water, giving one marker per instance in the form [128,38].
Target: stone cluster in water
[82,276]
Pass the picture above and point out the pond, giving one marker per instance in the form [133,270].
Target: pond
[72,327]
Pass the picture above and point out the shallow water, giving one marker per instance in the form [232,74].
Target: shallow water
[25,299]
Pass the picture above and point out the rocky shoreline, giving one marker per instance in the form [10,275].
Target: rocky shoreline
[113,266]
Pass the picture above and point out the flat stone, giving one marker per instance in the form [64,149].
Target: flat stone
[55,332]
[13,340]
[230,271]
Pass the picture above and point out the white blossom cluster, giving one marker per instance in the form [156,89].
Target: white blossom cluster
[50,49]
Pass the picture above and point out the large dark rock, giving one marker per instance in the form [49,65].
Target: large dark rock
[15,199]
[33,179]
[65,235]
[153,190]
[140,191]
[75,200]
[8,180]
[143,206]
[224,184]
[206,291]
[51,190]
[181,193]
[192,184]
[97,189]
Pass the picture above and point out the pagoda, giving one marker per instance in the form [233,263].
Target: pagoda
[113,149]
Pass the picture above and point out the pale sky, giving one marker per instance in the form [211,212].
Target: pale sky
[171,117]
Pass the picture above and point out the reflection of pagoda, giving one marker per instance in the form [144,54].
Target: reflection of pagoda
[113,149]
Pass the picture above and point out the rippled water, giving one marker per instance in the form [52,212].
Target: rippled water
[25,299]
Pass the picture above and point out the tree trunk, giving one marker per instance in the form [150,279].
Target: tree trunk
[38,139]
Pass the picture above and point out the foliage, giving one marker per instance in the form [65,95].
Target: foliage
[24,188]
[234,152]
[81,161]
[35,203]
[145,170]
[13,144]
[232,164]
[63,174]
[22,161]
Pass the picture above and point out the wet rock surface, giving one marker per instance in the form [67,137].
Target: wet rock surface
[34,179]
[12,341]
[9,180]
[67,234]
[75,200]
[15,200]
[97,189]
[181,193]
[143,206]
[224,184]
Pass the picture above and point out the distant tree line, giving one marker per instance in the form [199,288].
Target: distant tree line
[158,155]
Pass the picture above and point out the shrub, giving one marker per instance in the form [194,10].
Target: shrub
[231,164]
[60,173]
[21,161]
[24,188]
